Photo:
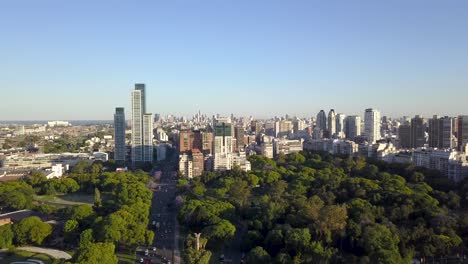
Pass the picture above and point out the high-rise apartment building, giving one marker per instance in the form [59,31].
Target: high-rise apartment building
[321,121]
[137,127]
[119,136]
[239,135]
[283,128]
[147,137]
[142,128]
[462,132]
[142,88]
[372,125]
[440,132]
[223,148]
[185,141]
[207,142]
[331,124]
[417,135]
[352,127]
[299,125]
[404,134]
[340,124]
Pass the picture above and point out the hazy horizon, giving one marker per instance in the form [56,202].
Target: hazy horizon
[80,60]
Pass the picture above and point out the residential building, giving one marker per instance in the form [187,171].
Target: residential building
[239,136]
[352,127]
[148,137]
[321,121]
[372,125]
[286,146]
[340,125]
[138,109]
[185,141]
[441,132]
[331,124]
[417,135]
[186,165]
[462,132]
[404,134]
[119,136]
[223,148]
[207,142]
[198,163]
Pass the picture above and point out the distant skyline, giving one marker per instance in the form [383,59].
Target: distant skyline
[79,60]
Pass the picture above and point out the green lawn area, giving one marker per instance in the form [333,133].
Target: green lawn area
[126,258]
[63,200]
[18,255]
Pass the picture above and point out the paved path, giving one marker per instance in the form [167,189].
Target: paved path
[51,252]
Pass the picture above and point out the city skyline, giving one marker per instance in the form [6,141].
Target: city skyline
[69,61]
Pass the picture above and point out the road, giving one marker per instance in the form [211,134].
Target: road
[164,215]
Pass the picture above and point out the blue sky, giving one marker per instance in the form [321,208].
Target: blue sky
[79,59]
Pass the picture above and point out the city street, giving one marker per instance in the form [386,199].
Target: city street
[163,219]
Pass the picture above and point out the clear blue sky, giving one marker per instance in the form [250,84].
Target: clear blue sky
[79,59]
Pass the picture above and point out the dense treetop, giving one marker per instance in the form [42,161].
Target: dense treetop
[316,208]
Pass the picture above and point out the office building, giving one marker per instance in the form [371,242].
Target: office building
[372,125]
[119,136]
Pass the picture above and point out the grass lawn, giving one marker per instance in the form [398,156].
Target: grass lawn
[63,200]
[18,255]
[126,258]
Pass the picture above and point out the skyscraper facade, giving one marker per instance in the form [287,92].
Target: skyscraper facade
[331,124]
[372,125]
[137,127]
[239,135]
[404,134]
[119,136]
[142,128]
[340,126]
[321,120]
[352,127]
[462,132]
[440,132]
[417,135]
[147,137]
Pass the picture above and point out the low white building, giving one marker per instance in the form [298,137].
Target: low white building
[452,164]
[56,171]
[286,146]
[58,124]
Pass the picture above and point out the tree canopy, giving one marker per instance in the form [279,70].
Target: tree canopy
[316,208]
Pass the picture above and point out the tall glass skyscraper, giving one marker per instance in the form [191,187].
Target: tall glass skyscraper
[142,128]
[119,136]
